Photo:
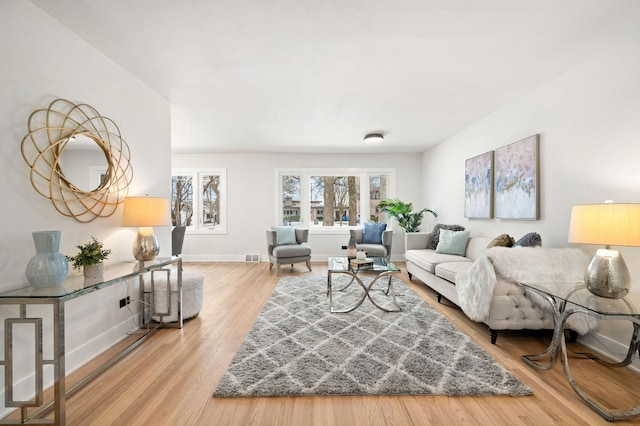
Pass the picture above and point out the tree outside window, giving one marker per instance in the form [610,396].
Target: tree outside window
[291,200]
[377,191]
[337,197]
[332,198]
[211,200]
[181,200]
[200,208]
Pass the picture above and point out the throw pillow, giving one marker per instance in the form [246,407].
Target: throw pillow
[285,235]
[453,242]
[531,239]
[373,233]
[432,243]
[502,240]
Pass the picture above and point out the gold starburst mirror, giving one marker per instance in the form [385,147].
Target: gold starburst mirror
[78,160]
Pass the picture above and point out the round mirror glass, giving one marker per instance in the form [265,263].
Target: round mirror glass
[84,163]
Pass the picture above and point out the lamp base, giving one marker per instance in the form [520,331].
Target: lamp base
[145,246]
[607,275]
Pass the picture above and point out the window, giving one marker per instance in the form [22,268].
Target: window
[378,190]
[98,177]
[334,199]
[290,200]
[201,208]
[338,196]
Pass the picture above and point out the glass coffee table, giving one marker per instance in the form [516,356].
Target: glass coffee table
[568,299]
[355,269]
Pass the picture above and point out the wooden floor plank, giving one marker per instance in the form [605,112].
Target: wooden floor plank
[170,378]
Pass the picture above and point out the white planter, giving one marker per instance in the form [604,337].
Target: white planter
[93,272]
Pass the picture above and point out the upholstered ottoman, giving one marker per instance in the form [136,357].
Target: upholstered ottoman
[192,290]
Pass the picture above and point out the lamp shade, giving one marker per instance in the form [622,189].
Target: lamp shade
[145,212]
[608,224]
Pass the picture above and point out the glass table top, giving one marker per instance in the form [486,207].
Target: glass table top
[579,295]
[76,285]
[370,264]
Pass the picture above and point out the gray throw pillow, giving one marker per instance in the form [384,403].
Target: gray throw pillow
[531,239]
[434,239]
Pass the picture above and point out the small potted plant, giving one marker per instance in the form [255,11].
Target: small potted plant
[90,258]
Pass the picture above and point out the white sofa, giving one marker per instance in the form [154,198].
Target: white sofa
[510,307]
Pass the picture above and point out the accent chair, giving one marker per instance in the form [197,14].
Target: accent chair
[286,246]
[373,249]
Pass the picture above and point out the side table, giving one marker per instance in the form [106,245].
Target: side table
[570,299]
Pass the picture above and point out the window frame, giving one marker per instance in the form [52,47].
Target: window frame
[364,173]
[197,174]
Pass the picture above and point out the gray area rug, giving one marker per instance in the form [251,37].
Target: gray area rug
[296,347]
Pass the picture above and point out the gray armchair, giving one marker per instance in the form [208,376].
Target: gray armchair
[177,240]
[373,250]
[288,254]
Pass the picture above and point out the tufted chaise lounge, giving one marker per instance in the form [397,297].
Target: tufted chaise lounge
[510,309]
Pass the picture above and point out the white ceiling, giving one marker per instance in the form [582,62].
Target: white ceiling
[315,76]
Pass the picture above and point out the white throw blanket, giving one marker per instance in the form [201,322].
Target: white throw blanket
[519,265]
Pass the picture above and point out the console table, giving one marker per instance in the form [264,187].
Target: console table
[56,296]
[570,299]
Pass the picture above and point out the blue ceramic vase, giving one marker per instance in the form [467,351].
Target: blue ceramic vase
[48,267]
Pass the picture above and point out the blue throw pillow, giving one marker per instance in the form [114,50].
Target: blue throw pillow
[453,242]
[285,235]
[373,233]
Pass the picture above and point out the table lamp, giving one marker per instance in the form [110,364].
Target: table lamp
[145,212]
[608,224]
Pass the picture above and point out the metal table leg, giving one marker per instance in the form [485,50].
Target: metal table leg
[552,350]
[366,293]
[592,403]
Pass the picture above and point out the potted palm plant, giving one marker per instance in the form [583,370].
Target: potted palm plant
[90,258]
[408,220]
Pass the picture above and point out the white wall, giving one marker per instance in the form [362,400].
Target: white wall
[252,198]
[588,119]
[589,125]
[43,60]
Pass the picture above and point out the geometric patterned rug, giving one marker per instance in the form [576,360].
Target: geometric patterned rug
[297,347]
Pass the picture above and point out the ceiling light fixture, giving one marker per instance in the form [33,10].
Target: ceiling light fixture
[373,138]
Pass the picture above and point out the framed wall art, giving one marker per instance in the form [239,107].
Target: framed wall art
[516,180]
[478,186]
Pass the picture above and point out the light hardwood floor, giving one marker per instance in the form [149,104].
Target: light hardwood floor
[169,379]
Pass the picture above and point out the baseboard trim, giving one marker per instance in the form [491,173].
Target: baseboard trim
[263,258]
[214,258]
[596,341]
